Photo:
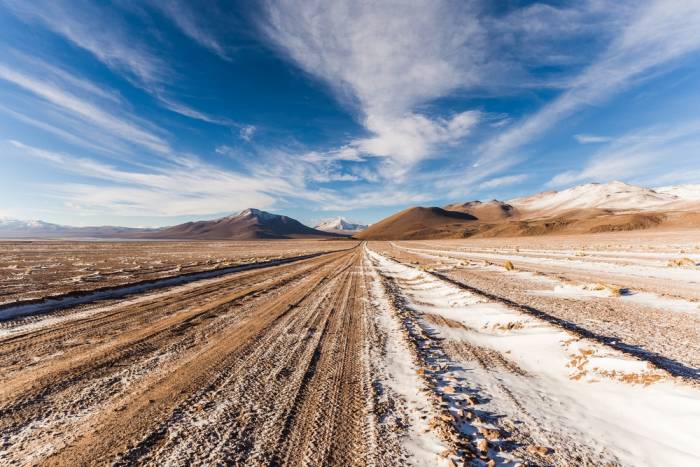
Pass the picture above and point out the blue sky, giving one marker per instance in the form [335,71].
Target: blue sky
[153,113]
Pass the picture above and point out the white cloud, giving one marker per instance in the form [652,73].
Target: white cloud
[120,49]
[374,198]
[643,153]
[503,181]
[246,132]
[386,59]
[187,186]
[592,139]
[67,78]
[189,22]
[88,112]
[657,33]
[83,24]
[187,111]
[64,134]
[413,136]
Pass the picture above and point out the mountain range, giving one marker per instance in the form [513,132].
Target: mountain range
[588,208]
[249,224]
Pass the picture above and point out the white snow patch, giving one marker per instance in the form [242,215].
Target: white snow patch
[613,195]
[573,380]
[688,192]
[583,292]
[421,442]
[686,275]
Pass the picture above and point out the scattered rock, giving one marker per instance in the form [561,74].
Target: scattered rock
[541,450]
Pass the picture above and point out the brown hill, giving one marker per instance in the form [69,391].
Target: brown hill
[248,225]
[419,223]
[588,208]
[490,211]
[576,221]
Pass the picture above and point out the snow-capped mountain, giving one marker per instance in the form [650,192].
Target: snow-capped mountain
[617,196]
[248,224]
[688,192]
[256,213]
[339,224]
[22,228]
[15,228]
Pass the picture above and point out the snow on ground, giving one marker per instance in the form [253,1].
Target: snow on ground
[586,291]
[421,442]
[687,275]
[660,256]
[613,195]
[688,192]
[572,291]
[618,403]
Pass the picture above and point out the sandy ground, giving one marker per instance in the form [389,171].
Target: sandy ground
[405,353]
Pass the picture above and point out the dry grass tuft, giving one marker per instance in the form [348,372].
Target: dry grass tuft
[508,265]
[614,290]
[681,263]
[509,326]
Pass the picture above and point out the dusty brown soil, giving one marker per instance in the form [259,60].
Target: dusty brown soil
[36,269]
[264,367]
[289,364]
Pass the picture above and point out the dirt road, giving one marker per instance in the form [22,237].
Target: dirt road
[340,359]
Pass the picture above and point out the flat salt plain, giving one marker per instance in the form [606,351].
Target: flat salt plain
[38,269]
[384,353]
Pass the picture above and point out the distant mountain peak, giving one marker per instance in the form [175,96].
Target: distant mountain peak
[338,224]
[248,224]
[254,214]
[258,214]
[613,195]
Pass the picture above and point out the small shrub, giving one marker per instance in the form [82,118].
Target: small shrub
[508,265]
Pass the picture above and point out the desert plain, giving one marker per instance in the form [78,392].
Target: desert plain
[557,350]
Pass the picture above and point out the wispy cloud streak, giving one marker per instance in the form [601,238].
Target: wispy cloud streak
[88,112]
[658,33]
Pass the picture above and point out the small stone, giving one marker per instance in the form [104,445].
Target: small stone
[535,449]
[489,433]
